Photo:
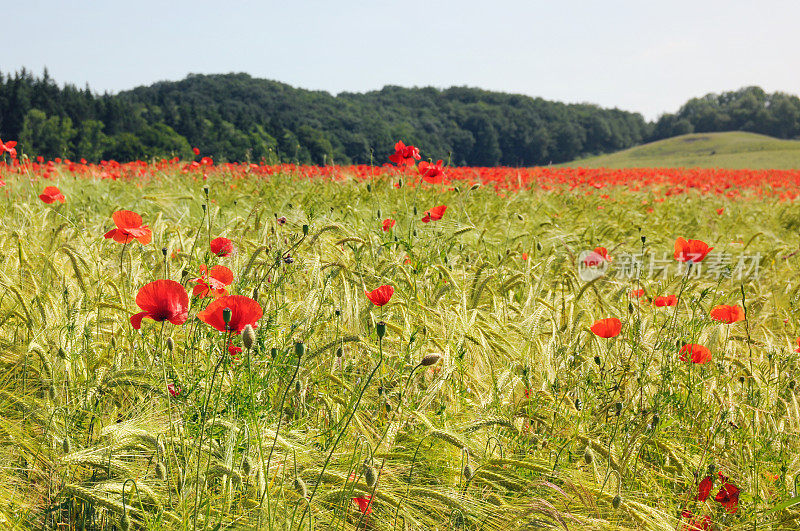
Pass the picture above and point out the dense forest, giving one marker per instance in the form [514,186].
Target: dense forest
[234,117]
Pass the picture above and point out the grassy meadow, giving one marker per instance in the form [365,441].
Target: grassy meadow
[735,149]
[484,401]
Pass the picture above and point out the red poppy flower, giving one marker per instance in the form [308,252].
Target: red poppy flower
[637,293]
[221,246]
[704,488]
[669,300]
[691,250]
[524,256]
[381,295]
[728,314]
[161,300]
[388,224]
[233,350]
[607,328]
[364,504]
[696,524]
[434,214]
[52,194]
[697,353]
[728,497]
[129,228]
[212,281]
[431,173]
[404,155]
[596,257]
[173,389]
[720,211]
[244,311]
[196,151]
[9,148]
[798,345]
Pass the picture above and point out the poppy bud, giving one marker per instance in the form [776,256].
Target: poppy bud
[388,407]
[644,239]
[656,420]
[161,471]
[711,469]
[305,230]
[337,312]
[300,487]
[380,328]
[415,232]
[51,392]
[297,386]
[205,190]
[430,359]
[247,465]
[415,210]
[227,313]
[63,355]
[475,186]
[578,404]
[380,390]
[597,360]
[457,189]
[791,384]
[538,246]
[66,445]
[519,217]
[273,352]
[170,344]
[164,251]
[468,472]
[618,408]
[588,456]
[203,206]
[630,308]
[299,349]
[248,336]
[369,476]
[339,352]
[400,182]
[379,214]
[369,188]
[125,522]
[616,502]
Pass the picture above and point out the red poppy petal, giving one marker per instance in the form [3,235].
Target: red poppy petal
[222,274]
[136,320]
[125,219]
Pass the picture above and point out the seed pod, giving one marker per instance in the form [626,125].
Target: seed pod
[380,328]
[630,308]
[66,445]
[430,359]
[273,352]
[538,246]
[400,182]
[170,344]
[125,522]
[339,352]
[205,190]
[369,188]
[248,337]
[227,314]
[588,456]
[616,502]
[387,406]
[297,386]
[597,361]
[299,349]
[379,214]
[578,404]
[164,251]
[618,408]
[161,471]
[468,472]
[247,465]
[415,210]
[337,312]
[369,476]
[300,487]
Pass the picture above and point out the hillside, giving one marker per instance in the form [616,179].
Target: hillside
[704,150]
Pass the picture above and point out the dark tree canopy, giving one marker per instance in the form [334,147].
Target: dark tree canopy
[234,117]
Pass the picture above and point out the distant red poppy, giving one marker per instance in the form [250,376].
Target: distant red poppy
[691,250]
[51,194]
[696,524]
[637,293]
[129,228]
[434,214]
[388,224]
[524,256]
[404,155]
[720,211]
[431,173]
[704,488]
[173,389]
[381,295]
[728,496]
[596,257]
[697,353]
[668,300]
[161,300]
[244,311]
[212,281]
[364,504]
[798,345]
[234,351]
[221,246]
[196,151]
[728,314]
[607,328]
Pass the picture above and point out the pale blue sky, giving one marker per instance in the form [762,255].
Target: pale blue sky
[642,56]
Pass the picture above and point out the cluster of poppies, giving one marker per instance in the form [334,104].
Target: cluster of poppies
[727,497]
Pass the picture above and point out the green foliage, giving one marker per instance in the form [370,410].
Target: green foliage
[50,136]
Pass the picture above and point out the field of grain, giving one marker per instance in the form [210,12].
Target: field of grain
[533,355]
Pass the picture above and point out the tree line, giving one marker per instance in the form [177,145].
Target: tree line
[234,117]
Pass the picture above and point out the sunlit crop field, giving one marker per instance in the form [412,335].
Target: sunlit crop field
[204,346]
